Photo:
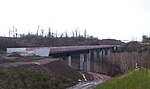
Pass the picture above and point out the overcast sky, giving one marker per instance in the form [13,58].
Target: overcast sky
[116,19]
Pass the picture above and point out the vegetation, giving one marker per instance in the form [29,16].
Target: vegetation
[130,60]
[131,55]
[136,46]
[20,78]
[37,41]
[146,39]
[138,79]
[47,37]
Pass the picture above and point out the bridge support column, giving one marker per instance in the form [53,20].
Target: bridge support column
[69,60]
[100,54]
[88,61]
[103,54]
[81,61]
[95,60]
[108,52]
[95,55]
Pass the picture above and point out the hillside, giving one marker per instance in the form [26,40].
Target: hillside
[24,79]
[112,42]
[138,79]
[36,73]
[33,41]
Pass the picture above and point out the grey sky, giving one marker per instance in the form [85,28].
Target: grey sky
[117,19]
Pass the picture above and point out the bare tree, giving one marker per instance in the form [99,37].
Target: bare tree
[85,34]
[10,32]
[52,35]
[72,33]
[38,30]
[42,32]
[61,35]
[56,33]
[29,33]
[79,33]
[49,32]
[66,34]
[76,32]
[16,32]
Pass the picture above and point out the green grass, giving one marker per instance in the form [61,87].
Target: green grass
[139,79]
[26,79]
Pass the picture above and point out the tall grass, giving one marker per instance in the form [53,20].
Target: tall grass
[139,79]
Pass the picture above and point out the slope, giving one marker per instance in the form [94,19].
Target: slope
[138,79]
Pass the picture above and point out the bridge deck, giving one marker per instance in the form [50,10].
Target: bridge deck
[78,48]
[45,51]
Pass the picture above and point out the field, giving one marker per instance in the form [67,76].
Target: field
[137,79]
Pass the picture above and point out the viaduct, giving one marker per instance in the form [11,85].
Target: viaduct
[83,58]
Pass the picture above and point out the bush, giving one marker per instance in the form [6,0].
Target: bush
[21,78]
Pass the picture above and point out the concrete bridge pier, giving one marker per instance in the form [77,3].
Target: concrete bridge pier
[108,52]
[95,54]
[81,61]
[88,61]
[95,61]
[103,54]
[100,54]
[85,60]
[69,60]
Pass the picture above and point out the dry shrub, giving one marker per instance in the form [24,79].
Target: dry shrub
[128,60]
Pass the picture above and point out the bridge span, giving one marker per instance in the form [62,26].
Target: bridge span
[79,57]
[79,48]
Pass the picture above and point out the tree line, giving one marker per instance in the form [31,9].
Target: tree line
[48,33]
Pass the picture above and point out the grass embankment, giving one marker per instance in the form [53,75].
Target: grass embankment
[26,79]
[139,79]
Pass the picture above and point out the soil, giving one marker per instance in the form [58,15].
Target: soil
[55,66]
[51,65]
